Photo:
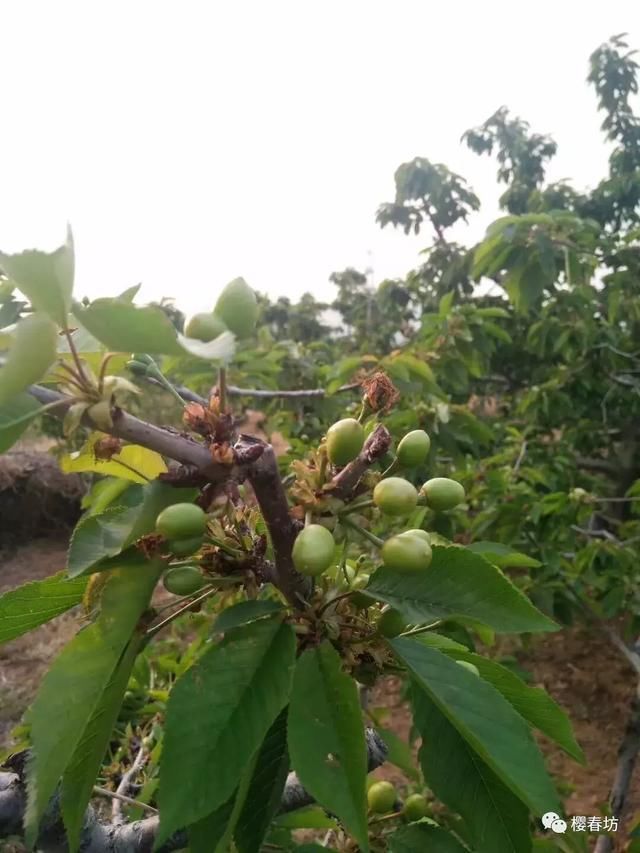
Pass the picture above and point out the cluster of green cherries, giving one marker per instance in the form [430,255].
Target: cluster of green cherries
[407,552]
[183,525]
[382,798]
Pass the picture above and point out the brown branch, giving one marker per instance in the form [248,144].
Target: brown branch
[125,784]
[137,836]
[272,500]
[378,443]
[259,465]
[627,756]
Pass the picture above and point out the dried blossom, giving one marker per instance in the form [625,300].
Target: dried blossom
[380,394]
[106,448]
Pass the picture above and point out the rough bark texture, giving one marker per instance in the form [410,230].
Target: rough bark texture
[137,836]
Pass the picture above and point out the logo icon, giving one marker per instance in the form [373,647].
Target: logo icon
[554,822]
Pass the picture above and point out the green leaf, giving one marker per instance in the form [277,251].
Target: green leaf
[124,327]
[498,822]
[80,775]
[97,537]
[45,278]
[503,556]
[72,690]
[309,817]
[421,837]
[206,834]
[30,357]
[102,535]
[458,585]
[15,416]
[265,789]
[218,715]
[532,703]
[399,753]
[484,718]
[244,613]
[35,603]
[326,738]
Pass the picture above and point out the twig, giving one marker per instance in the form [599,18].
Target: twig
[183,609]
[374,448]
[596,534]
[523,450]
[105,792]
[267,394]
[123,787]
[137,836]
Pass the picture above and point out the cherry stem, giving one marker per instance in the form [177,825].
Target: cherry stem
[222,388]
[75,356]
[154,630]
[375,540]
[356,507]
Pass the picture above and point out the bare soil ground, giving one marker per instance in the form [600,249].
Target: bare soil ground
[580,670]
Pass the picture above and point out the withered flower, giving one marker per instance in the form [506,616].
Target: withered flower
[380,394]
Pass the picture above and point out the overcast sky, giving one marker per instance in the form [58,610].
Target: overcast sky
[191,142]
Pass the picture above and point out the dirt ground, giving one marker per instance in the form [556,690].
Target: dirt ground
[581,671]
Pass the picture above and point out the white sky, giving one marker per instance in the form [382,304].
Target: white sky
[191,142]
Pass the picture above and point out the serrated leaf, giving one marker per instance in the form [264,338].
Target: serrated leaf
[206,834]
[264,793]
[97,537]
[421,837]
[244,613]
[458,585]
[498,822]
[15,416]
[81,772]
[326,738]
[37,602]
[532,703]
[31,355]
[124,327]
[484,718]
[71,691]
[46,278]
[218,715]
[133,462]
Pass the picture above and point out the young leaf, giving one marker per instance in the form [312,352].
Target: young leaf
[32,354]
[485,719]
[15,416]
[71,691]
[244,613]
[218,714]
[265,789]
[459,585]
[421,837]
[498,822]
[532,703]
[35,603]
[326,738]
[46,278]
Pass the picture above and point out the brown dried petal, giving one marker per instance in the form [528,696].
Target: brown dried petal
[380,393]
[107,447]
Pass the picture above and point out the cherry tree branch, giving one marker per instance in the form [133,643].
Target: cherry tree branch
[378,443]
[256,462]
[258,393]
[136,836]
